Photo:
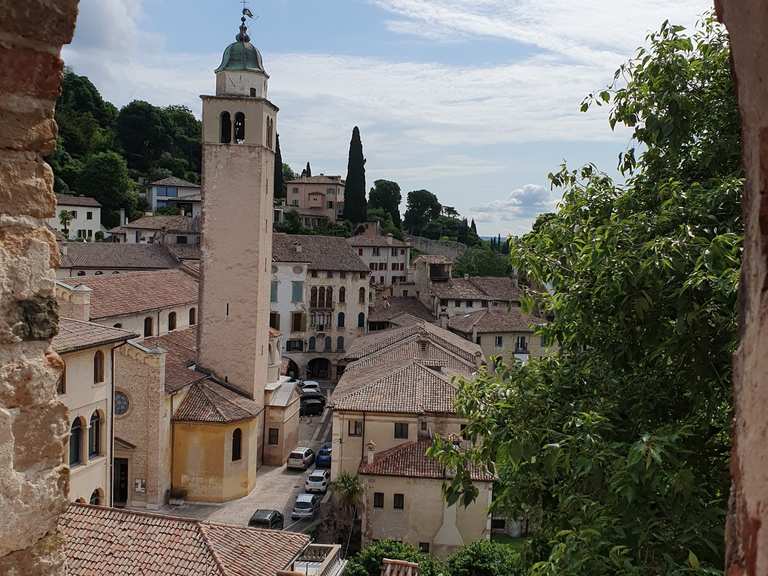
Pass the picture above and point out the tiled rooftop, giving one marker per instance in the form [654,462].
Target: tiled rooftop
[321,179]
[395,306]
[321,252]
[433,259]
[366,240]
[478,288]
[135,292]
[170,223]
[209,401]
[181,350]
[77,335]
[488,321]
[72,200]
[114,542]
[173,181]
[410,460]
[111,255]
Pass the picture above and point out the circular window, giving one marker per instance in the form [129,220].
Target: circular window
[298,269]
[121,403]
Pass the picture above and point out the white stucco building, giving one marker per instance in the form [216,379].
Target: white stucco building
[85,217]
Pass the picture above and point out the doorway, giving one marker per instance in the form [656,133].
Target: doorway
[120,482]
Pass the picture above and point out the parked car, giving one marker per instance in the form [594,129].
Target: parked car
[270,519]
[301,458]
[311,407]
[323,459]
[305,506]
[313,395]
[308,385]
[318,481]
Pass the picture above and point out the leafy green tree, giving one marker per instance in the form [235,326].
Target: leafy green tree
[422,208]
[369,560]
[65,217]
[348,491]
[355,207]
[617,448]
[288,173]
[277,177]
[144,132]
[386,195]
[105,177]
[482,261]
[462,234]
[485,558]
[186,134]
[384,219]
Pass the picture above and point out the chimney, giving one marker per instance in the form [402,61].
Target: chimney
[123,220]
[371,452]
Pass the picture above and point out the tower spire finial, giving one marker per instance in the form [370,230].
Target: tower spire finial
[243,35]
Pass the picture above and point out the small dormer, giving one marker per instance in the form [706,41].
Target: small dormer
[241,72]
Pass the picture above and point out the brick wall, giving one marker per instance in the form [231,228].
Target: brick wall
[33,481]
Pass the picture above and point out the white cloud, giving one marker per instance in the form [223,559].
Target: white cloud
[518,210]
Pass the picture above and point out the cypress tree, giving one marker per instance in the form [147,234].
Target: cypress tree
[308,170]
[355,207]
[278,176]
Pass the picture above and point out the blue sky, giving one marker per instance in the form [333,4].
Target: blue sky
[475,100]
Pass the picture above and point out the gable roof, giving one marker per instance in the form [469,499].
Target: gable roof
[394,306]
[410,460]
[160,222]
[477,288]
[491,320]
[77,335]
[173,181]
[321,179]
[180,351]
[321,252]
[433,259]
[111,255]
[209,401]
[379,240]
[135,292]
[115,542]
[72,200]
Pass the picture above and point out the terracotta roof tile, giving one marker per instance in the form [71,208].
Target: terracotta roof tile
[395,306]
[321,252]
[115,542]
[174,181]
[433,259]
[410,460]
[72,200]
[173,223]
[365,240]
[487,320]
[134,292]
[181,350]
[113,255]
[322,179]
[478,288]
[77,335]
[209,401]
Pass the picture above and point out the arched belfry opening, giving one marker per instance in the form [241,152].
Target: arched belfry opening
[239,128]
[226,128]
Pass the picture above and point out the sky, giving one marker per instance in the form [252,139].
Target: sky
[474,100]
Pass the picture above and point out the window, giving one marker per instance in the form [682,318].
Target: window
[405,293]
[239,128]
[423,425]
[297,322]
[359,251]
[192,316]
[98,367]
[401,430]
[470,303]
[376,251]
[378,499]
[61,384]
[361,295]
[361,320]
[76,443]
[394,251]
[121,403]
[313,297]
[328,344]
[499,341]
[363,275]
[321,297]
[295,190]
[297,291]
[73,213]
[171,321]
[484,303]
[147,327]
[424,547]
[314,273]
[94,435]
[340,344]
[521,344]
[237,444]
[342,295]
[479,339]
[294,345]
[312,343]
[457,303]
[274,436]
[89,215]
[273,291]
[226,128]
[274,320]
[329,297]
[355,428]
[340,320]
[342,275]
[181,239]
[372,266]
[399,502]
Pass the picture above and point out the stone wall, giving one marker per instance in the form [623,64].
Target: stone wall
[747,528]
[448,248]
[33,480]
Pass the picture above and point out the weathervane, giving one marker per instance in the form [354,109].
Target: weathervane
[243,36]
[246,10]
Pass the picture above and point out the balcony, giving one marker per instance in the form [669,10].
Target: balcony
[318,560]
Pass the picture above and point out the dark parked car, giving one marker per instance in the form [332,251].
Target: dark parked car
[323,459]
[271,519]
[313,395]
[311,407]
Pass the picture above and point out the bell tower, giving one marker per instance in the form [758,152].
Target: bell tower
[239,125]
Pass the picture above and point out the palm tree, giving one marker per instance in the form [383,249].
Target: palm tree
[65,217]
[348,490]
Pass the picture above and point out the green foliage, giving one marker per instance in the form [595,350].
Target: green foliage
[65,217]
[482,261]
[168,211]
[288,173]
[484,558]
[143,132]
[422,208]
[348,488]
[368,561]
[386,195]
[384,219]
[354,190]
[293,225]
[105,177]
[277,177]
[617,449]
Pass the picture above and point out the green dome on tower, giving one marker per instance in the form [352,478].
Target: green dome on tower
[241,54]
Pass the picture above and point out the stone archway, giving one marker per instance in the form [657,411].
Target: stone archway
[319,368]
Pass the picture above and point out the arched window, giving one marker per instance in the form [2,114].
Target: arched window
[237,444]
[98,367]
[312,344]
[361,320]
[329,297]
[313,297]
[76,443]
[226,128]
[341,319]
[342,294]
[96,498]
[239,128]
[321,297]
[61,384]
[192,316]
[94,435]
[340,344]
[361,295]
[171,321]
[147,327]
[328,344]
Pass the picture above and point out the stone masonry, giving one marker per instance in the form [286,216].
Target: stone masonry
[33,479]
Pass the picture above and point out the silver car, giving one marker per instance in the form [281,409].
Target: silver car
[318,481]
[301,458]
[305,506]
